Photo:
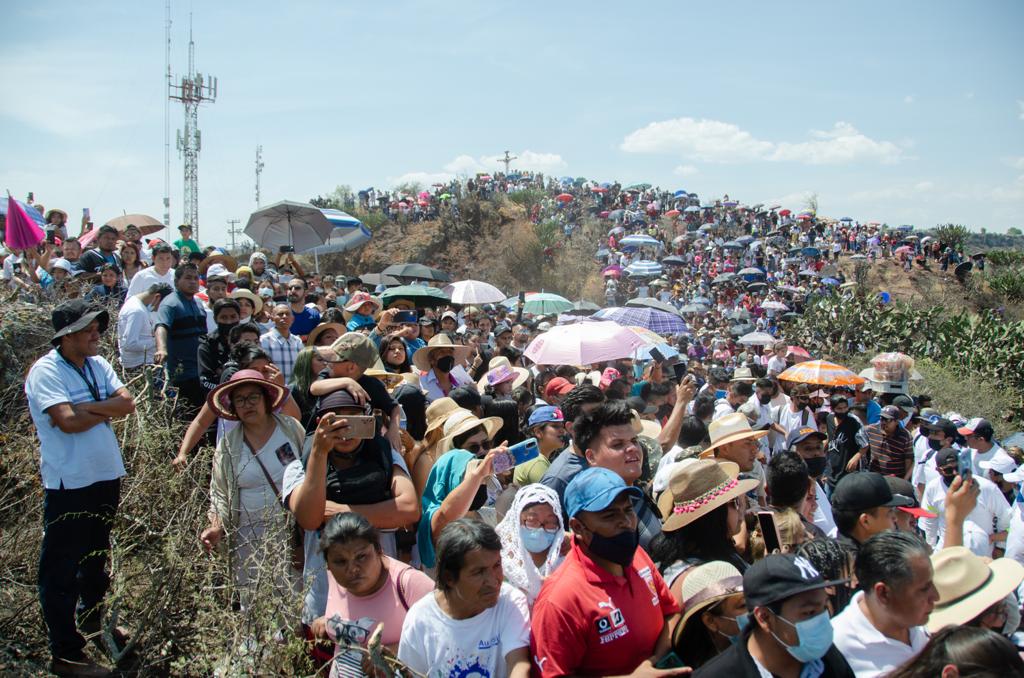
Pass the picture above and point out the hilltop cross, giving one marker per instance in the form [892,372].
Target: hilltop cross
[508,160]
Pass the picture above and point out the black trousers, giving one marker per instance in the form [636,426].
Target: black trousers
[72,562]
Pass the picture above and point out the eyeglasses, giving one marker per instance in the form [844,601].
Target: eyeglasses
[478,449]
[551,526]
[249,400]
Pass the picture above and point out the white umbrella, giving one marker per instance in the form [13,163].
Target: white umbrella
[774,306]
[474,292]
[583,344]
[294,224]
[757,339]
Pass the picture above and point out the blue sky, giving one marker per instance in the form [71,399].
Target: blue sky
[906,112]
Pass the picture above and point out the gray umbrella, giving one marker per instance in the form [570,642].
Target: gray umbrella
[417,271]
[649,302]
[694,308]
[287,223]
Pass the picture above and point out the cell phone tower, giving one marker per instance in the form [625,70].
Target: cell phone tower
[195,89]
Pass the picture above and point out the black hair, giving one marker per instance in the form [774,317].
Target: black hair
[523,397]
[333,315]
[704,405]
[459,440]
[707,538]
[741,388]
[693,642]
[975,652]
[161,248]
[161,290]
[645,390]
[456,540]
[466,397]
[182,269]
[104,229]
[385,343]
[221,304]
[845,520]
[787,479]
[242,328]
[584,394]
[245,353]
[885,557]
[692,432]
[348,526]
[587,427]
[658,388]
[764,382]
[718,375]
[618,389]
[833,559]
[298,279]
[567,372]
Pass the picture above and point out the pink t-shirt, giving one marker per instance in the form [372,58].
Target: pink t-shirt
[355,617]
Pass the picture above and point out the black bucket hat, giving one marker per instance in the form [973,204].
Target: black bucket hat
[74,316]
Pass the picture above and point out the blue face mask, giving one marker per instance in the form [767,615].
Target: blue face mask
[720,394]
[536,539]
[814,637]
[1020,495]
[742,621]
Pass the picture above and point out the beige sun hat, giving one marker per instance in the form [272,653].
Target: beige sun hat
[968,585]
[315,333]
[462,421]
[728,429]
[438,412]
[390,379]
[242,293]
[421,358]
[645,427]
[708,584]
[699,487]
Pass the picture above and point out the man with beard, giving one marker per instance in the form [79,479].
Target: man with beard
[845,439]
[305,318]
[622,610]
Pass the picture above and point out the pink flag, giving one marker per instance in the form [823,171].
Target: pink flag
[22,232]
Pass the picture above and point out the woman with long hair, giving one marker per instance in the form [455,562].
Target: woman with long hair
[131,261]
[393,354]
[964,652]
[715,613]
[308,364]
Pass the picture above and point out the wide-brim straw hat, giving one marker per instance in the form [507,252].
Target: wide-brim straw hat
[227,260]
[323,327]
[438,413]
[49,212]
[242,293]
[708,584]
[421,358]
[729,429]
[645,427]
[501,373]
[460,422]
[218,399]
[968,585]
[698,488]
[390,379]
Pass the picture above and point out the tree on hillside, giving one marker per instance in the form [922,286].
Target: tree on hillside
[1013,231]
[953,235]
[811,202]
[409,188]
[341,198]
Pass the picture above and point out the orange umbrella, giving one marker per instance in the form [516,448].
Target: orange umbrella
[822,373]
[145,223]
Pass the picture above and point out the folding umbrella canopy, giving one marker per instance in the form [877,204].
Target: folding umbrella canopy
[640,241]
[31,211]
[822,373]
[751,271]
[654,320]
[740,330]
[289,223]
[419,296]
[347,233]
[418,271]
[616,230]
[649,302]
[614,270]
[757,339]
[732,245]
[474,292]
[544,303]
[145,223]
[583,344]
[692,208]
[584,307]
[756,286]
[644,269]
[673,261]
[723,278]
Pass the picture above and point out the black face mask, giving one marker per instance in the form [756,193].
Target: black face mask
[935,444]
[840,416]
[619,549]
[445,364]
[948,480]
[816,466]
[764,399]
[224,328]
[479,499]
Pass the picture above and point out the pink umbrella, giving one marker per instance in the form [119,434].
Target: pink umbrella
[22,233]
[614,270]
[583,344]
[599,189]
[798,352]
[672,213]
[563,197]
[604,215]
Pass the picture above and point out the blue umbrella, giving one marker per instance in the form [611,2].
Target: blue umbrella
[681,193]
[692,208]
[348,233]
[830,281]
[644,269]
[666,351]
[701,300]
[651,319]
[641,241]
[31,211]
[810,252]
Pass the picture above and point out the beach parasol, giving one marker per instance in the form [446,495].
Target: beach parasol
[822,373]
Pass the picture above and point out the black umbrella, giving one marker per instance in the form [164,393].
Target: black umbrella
[418,271]
[757,287]
[673,261]
[694,308]
[724,278]
[380,279]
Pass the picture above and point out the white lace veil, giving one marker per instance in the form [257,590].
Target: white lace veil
[516,561]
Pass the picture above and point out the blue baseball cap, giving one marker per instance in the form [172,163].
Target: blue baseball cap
[545,415]
[594,489]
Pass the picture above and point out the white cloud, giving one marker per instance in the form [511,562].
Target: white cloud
[968,95]
[1016,162]
[723,142]
[901,192]
[909,99]
[467,165]
[685,170]
[1020,109]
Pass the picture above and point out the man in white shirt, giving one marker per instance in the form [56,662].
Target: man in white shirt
[162,270]
[883,626]
[777,363]
[795,415]
[985,525]
[135,341]
[936,433]
[738,393]
[978,433]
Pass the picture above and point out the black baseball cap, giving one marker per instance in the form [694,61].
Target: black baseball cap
[74,316]
[640,405]
[863,491]
[946,456]
[779,577]
[801,434]
[947,427]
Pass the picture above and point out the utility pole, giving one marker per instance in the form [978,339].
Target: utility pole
[233,231]
[193,90]
[259,171]
[508,160]
[167,122]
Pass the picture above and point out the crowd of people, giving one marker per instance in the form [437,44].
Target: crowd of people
[459,509]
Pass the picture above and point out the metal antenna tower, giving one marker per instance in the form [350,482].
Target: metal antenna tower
[167,122]
[508,160]
[193,90]
[233,230]
[259,171]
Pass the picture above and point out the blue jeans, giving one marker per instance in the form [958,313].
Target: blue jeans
[72,562]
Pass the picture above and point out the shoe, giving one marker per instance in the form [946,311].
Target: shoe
[82,666]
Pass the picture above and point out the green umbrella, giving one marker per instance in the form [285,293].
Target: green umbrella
[544,303]
[418,295]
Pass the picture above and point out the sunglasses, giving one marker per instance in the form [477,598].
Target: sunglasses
[478,449]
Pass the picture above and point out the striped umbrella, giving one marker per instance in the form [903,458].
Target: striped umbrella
[822,373]
[644,269]
[652,319]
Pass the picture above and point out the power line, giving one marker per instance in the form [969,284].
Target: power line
[233,231]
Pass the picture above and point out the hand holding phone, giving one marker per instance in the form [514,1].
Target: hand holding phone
[963,464]
[769,532]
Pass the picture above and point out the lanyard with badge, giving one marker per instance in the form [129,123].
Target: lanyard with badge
[90,381]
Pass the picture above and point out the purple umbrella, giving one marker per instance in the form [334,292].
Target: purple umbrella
[651,319]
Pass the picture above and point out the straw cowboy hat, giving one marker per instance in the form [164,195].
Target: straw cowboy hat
[421,358]
[743,374]
[222,258]
[707,585]
[462,421]
[501,372]
[698,487]
[242,293]
[728,429]
[55,210]
[219,398]
[315,333]
[438,413]
[968,585]
[390,379]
